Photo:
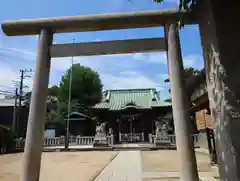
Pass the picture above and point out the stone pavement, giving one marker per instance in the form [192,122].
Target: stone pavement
[149,176]
[125,167]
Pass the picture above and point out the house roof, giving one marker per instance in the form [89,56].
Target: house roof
[131,98]
[80,116]
[7,102]
[4,127]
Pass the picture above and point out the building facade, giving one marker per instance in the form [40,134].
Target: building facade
[204,119]
[131,113]
[6,116]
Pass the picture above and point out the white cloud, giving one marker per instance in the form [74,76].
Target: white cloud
[162,76]
[11,60]
[160,57]
[128,80]
[10,79]
[116,71]
[24,54]
[139,56]
[6,77]
[125,78]
[115,5]
[60,64]
[154,57]
[192,60]
[129,73]
[195,61]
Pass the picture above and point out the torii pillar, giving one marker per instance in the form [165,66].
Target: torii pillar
[37,113]
[185,146]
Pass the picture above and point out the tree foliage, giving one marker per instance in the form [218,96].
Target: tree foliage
[189,5]
[53,91]
[86,86]
[188,73]
[86,91]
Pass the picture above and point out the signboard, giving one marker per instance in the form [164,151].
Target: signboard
[49,133]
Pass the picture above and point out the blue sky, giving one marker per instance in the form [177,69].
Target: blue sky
[142,70]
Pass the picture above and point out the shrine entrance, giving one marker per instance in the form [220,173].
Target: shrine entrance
[131,128]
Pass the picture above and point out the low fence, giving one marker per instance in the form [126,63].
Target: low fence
[172,138]
[3,150]
[12,146]
[56,141]
[131,137]
[59,141]
[88,140]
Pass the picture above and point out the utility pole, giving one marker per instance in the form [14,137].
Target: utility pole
[66,140]
[21,86]
[15,111]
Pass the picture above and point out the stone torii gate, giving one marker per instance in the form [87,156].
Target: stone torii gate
[47,27]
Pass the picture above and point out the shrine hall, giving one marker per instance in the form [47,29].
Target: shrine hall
[131,113]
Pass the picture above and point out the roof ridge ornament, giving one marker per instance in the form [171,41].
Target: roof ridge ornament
[130,103]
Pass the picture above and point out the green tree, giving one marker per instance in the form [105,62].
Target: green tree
[86,86]
[53,91]
[189,5]
[188,73]
[51,98]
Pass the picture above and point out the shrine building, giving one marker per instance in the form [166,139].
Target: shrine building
[131,112]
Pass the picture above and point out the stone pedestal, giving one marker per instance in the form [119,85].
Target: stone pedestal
[100,140]
[163,141]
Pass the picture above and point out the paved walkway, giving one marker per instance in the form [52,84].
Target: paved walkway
[203,176]
[125,167]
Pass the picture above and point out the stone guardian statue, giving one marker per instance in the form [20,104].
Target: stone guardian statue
[100,138]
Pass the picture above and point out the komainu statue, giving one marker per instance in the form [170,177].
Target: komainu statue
[161,133]
[101,128]
[100,138]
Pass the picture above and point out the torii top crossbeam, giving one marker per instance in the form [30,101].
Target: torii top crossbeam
[140,19]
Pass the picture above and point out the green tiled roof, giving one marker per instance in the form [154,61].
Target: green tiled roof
[126,98]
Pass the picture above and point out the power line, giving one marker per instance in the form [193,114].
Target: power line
[8,59]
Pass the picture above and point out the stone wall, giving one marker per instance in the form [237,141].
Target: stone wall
[219,30]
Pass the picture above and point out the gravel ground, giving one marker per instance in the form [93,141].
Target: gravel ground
[59,166]
[168,161]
